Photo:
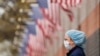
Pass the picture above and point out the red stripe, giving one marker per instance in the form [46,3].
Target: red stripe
[74,3]
[66,3]
[54,12]
[30,49]
[70,17]
[58,14]
[51,1]
[60,2]
[71,3]
[40,26]
[55,1]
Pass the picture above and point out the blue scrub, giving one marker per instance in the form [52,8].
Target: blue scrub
[76,51]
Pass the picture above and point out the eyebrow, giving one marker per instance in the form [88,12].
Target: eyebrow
[65,39]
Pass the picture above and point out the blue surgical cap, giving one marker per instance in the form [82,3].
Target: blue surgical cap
[77,36]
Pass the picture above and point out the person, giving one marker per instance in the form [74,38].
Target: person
[74,41]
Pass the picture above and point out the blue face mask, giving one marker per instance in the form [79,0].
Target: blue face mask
[67,45]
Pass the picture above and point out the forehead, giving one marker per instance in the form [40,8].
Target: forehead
[66,37]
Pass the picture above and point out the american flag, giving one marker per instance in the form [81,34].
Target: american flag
[47,22]
[33,43]
[36,44]
[30,29]
[66,5]
[35,12]
[51,21]
[49,9]
[23,45]
[41,22]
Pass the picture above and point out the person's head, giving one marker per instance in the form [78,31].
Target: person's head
[74,38]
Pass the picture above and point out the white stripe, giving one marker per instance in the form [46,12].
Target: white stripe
[59,1]
[68,3]
[57,13]
[49,9]
[34,5]
[77,2]
[64,4]
[54,13]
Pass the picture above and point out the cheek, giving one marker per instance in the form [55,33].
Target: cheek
[72,43]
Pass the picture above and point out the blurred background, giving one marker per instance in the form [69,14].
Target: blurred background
[37,27]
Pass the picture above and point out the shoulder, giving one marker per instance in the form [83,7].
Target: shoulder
[78,52]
